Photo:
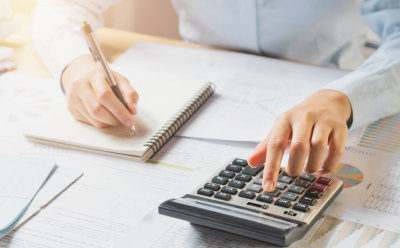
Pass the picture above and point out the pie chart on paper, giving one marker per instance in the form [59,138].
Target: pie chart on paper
[350,175]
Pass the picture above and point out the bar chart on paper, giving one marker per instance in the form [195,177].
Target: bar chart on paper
[334,232]
[383,135]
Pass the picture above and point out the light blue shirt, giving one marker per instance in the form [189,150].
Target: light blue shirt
[327,32]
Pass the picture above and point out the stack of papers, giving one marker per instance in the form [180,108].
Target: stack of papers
[27,184]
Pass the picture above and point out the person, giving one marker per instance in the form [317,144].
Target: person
[325,32]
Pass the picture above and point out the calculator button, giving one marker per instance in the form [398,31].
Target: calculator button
[280,185]
[226,173]
[313,193]
[223,196]
[234,168]
[247,194]
[241,162]
[206,192]
[257,180]
[284,179]
[283,203]
[274,193]
[229,190]
[325,180]
[265,198]
[296,189]
[236,184]
[301,207]
[308,177]
[243,177]
[212,186]
[307,200]
[289,196]
[254,187]
[320,187]
[252,171]
[220,180]
[302,183]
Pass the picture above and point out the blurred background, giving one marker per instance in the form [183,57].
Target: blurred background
[155,17]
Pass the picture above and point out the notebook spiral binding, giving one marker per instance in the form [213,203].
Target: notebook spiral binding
[159,139]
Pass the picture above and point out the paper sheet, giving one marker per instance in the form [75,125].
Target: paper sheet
[369,196]
[97,210]
[20,180]
[251,90]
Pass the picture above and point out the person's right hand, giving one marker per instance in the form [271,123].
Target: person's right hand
[90,98]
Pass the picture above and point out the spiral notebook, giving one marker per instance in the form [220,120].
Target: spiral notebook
[165,103]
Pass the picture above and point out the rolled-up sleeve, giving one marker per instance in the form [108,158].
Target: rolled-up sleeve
[374,87]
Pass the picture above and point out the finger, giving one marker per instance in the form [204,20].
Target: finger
[275,149]
[108,99]
[79,116]
[337,143]
[95,109]
[84,115]
[319,143]
[259,154]
[299,146]
[128,92]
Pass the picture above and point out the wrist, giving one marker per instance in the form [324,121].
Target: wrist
[342,101]
[74,70]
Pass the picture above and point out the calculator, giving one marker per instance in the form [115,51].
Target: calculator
[233,200]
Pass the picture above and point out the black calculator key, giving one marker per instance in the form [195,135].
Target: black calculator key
[243,177]
[308,200]
[241,162]
[213,186]
[296,189]
[220,180]
[257,180]
[289,196]
[235,168]
[226,173]
[265,198]
[302,183]
[223,196]
[274,193]
[247,194]
[229,190]
[237,183]
[280,185]
[308,177]
[301,207]
[283,203]
[252,171]
[284,179]
[313,193]
[206,192]
[254,187]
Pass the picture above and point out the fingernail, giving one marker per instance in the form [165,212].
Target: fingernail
[269,186]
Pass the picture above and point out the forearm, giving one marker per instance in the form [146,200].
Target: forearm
[56,29]
[374,88]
